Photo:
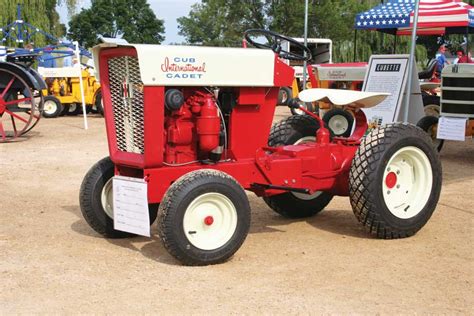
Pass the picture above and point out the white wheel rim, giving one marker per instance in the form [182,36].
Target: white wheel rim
[107,198]
[407,182]
[432,110]
[72,107]
[210,221]
[302,196]
[284,96]
[49,106]
[338,124]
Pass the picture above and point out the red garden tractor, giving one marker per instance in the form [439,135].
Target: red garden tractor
[195,124]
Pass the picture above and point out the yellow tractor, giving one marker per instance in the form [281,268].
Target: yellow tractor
[63,95]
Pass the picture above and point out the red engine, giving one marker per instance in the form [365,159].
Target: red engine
[192,127]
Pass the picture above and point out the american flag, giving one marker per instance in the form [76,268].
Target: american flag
[434,16]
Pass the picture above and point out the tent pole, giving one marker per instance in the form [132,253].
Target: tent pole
[411,61]
[305,42]
[355,45]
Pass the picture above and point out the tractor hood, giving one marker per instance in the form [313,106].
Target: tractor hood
[172,65]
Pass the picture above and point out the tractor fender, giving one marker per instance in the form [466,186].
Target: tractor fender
[24,74]
[39,79]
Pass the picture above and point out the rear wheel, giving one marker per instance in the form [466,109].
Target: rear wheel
[293,131]
[395,181]
[96,200]
[204,217]
[52,107]
[430,125]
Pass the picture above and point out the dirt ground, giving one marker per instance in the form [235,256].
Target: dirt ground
[52,262]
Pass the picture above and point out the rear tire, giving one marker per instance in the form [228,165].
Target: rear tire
[395,181]
[430,125]
[292,131]
[204,217]
[95,199]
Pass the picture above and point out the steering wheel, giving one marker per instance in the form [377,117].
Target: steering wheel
[274,43]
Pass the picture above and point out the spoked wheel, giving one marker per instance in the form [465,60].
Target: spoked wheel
[296,130]
[96,200]
[20,106]
[395,181]
[204,217]
[340,122]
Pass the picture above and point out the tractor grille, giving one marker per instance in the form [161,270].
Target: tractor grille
[126,90]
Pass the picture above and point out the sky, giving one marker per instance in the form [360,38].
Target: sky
[167,10]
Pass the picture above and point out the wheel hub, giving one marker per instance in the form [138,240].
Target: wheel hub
[49,106]
[391,180]
[338,124]
[210,221]
[2,106]
[407,182]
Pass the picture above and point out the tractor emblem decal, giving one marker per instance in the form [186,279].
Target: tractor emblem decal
[126,89]
[183,68]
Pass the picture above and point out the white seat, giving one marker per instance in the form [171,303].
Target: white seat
[359,99]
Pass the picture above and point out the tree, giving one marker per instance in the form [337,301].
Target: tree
[132,20]
[221,22]
[39,13]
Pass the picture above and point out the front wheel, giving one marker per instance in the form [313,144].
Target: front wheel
[395,181]
[204,217]
[52,107]
[339,121]
[430,125]
[96,200]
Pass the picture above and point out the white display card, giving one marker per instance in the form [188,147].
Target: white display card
[131,205]
[452,128]
[386,74]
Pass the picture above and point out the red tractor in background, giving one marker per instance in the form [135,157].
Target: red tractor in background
[195,124]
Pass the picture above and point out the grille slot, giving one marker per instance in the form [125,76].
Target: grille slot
[126,90]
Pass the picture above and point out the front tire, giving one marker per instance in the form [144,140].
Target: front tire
[52,107]
[395,181]
[204,217]
[430,125]
[284,96]
[296,130]
[431,105]
[96,200]
[339,122]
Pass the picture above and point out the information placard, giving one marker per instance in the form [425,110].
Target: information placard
[131,205]
[386,74]
[452,128]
